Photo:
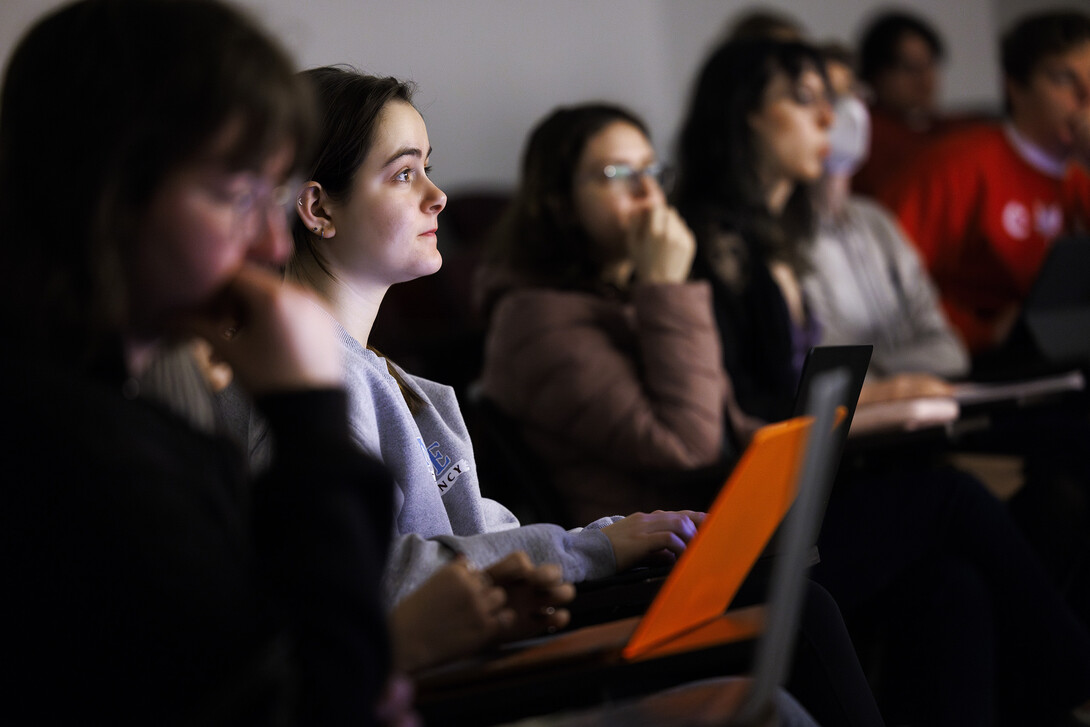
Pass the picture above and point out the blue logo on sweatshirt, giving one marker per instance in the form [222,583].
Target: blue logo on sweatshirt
[427,457]
[446,472]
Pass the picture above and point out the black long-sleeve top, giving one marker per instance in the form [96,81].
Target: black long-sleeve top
[145,580]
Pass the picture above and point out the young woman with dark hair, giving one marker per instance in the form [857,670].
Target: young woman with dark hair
[925,548]
[146,581]
[366,220]
[741,153]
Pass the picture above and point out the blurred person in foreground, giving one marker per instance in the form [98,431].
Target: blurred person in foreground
[147,579]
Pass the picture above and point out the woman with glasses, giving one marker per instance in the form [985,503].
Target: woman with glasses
[598,345]
[607,358]
[147,579]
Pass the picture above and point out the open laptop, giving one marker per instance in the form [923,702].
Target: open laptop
[826,392]
[686,617]
[1050,334]
[852,360]
[626,594]
[744,702]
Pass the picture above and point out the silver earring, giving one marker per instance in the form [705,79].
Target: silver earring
[300,201]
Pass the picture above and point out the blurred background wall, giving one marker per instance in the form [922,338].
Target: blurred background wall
[488,69]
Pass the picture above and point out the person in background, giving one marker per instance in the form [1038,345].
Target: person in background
[764,24]
[866,283]
[900,55]
[147,580]
[598,346]
[983,205]
[752,225]
[924,548]
[605,356]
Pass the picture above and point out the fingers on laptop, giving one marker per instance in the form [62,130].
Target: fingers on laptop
[642,534]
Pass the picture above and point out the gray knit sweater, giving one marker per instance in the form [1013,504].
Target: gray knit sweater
[868,286]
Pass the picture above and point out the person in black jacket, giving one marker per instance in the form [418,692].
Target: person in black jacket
[145,147]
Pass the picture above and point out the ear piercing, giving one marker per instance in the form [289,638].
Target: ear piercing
[300,201]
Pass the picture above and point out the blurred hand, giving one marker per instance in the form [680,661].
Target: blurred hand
[661,246]
[535,594]
[648,536]
[273,334]
[475,615]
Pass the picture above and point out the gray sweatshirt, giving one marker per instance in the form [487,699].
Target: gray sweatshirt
[438,508]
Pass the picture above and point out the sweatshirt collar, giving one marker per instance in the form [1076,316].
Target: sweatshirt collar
[1034,155]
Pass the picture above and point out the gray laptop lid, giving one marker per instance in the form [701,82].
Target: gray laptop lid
[773,655]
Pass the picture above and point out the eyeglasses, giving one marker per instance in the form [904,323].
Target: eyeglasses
[631,179]
[804,94]
[251,207]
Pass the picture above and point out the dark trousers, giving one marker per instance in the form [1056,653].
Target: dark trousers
[970,630]
[826,677]
[1053,508]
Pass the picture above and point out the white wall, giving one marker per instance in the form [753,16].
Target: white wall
[488,69]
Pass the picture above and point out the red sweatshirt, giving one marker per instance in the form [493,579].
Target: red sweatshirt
[983,217]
